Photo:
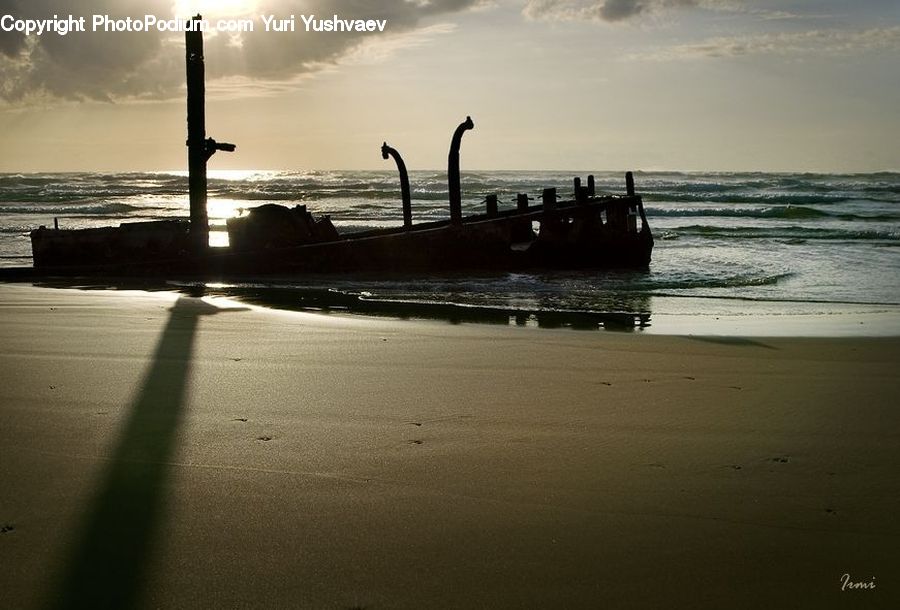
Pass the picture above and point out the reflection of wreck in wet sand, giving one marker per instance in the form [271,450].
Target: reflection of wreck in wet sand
[632,314]
[588,230]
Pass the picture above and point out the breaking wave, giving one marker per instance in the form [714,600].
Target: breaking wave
[90,209]
[792,232]
[789,212]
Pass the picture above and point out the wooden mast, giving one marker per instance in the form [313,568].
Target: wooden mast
[200,148]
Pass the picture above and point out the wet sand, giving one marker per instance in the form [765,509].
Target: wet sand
[163,451]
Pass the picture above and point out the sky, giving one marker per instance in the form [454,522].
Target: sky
[695,85]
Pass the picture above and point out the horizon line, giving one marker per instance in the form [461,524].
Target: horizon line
[462,171]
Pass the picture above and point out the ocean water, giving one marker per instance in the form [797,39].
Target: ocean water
[726,243]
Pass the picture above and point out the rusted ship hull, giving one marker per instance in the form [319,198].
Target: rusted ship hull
[571,236]
[592,233]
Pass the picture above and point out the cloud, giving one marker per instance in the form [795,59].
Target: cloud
[373,50]
[820,42]
[609,10]
[127,65]
[612,11]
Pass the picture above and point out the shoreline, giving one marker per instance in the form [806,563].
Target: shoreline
[666,315]
[159,450]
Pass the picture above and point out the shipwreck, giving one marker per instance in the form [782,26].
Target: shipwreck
[586,230]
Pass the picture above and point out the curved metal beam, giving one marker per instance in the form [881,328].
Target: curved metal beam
[404,182]
[453,170]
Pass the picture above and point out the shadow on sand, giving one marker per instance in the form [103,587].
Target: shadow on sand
[107,564]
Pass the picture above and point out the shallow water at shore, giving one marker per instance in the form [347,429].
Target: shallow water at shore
[659,315]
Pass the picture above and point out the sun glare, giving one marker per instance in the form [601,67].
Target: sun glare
[223,208]
[240,174]
[215,8]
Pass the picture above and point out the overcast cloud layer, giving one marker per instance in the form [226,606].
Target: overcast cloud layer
[116,66]
[151,64]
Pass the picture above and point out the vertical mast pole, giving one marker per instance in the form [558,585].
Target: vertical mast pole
[196,138]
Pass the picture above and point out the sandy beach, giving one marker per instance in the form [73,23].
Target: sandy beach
[161,451]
